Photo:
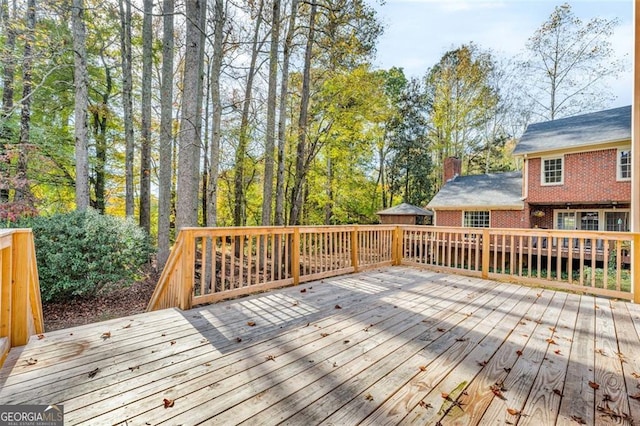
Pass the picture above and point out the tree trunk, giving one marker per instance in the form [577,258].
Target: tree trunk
[81,102]
[202,29]
[6,134]
[145,148]
[189,140]
[216,69]
[301,151]
[282,119]
[127,102]
[243,139]
[267,192]
[166,134]
[100,122]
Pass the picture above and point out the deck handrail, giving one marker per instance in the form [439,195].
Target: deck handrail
[211,264]
[20,304]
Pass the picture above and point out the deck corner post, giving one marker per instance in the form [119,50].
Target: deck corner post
[635,268]
[20,309]
[295,256]
[396,244]
[188,265]
[354,248]
[486,251]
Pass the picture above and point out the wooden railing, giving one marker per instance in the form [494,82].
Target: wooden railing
[210,264]
[20,304]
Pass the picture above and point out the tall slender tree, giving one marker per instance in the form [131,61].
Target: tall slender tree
[166,133]
[81,104]
[8,77]
[145,148]
[127,102]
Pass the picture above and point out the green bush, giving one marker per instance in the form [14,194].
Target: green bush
[85,253]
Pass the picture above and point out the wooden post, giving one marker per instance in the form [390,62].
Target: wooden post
[354,248]
[635,125]
[5,292]
[20,292]
[188,265]
[395,246]
[295,256]
[486,251]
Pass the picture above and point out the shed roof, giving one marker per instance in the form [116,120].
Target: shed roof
[497,190]
[405,209]
[610,125]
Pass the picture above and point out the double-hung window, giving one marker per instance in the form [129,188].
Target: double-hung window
[552,171]
[624,164]
[476,219]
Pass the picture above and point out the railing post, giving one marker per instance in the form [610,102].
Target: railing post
[188,265]
[295,256]
[396,244]
[486,251]
[20,309]
[635,268]
[354,248]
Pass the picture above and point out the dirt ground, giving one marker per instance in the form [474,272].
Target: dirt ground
[120,303]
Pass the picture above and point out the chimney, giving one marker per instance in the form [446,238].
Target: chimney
[452,168]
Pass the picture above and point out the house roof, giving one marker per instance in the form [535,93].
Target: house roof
[494,190]
[611,125]
[405,209]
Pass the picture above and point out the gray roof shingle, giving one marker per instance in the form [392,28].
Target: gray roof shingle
[581,130]
[405,209]
[502,190]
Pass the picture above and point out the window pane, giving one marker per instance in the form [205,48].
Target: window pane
[625,164]
[552,169]
[566,220]
[617,221]
[476,219]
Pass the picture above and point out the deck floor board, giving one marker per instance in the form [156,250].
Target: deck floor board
[396,345]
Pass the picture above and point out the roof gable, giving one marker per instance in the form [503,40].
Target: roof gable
[405,209]
[595,128]
[497,190]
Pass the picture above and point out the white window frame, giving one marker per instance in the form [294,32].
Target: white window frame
[602,216]
[488,212]
[619,176]
[542,171]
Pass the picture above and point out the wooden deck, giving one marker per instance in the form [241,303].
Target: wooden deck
[391,346]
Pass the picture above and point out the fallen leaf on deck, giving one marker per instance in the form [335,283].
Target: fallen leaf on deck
[551,342]
[423,368]
[335,365]
[93,373]
[127,326]
[40,336]
[578,420]
[601,352]
[539,295]
[636,375]
[32,361]
[519,352]
[270,358]
[444,395]
[168,402]
[497,392]
[507,369]
[425,405]
[345,342]
[134,368]
[558,392]
[324,334]
[304,290]
[594,385]
[106,335]
[636,396]
[442,329]
[461,339]
[368,397]
[557,351]
[513,411]
[251,323]
[173,342]
[338,307]
[553,329]
[238,339]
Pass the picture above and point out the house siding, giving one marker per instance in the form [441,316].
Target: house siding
[589,177]
[499,218]
[449,218]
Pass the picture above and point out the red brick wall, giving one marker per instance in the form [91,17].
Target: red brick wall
[589,177]
[452,167]
[508,219]
[448,218]
[499,218]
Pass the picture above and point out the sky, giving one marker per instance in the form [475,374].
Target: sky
[418,32]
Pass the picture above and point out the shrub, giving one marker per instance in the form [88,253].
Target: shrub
[85,253]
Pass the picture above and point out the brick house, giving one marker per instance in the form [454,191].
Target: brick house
[576,174]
